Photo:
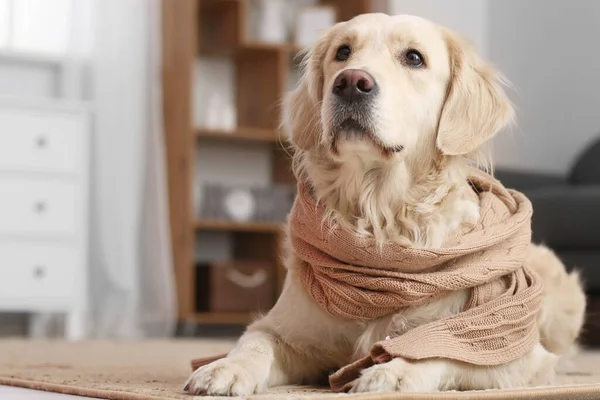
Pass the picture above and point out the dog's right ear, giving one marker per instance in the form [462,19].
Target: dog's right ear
[302,106]
[477,107]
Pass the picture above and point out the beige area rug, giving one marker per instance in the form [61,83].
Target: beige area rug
[158,369]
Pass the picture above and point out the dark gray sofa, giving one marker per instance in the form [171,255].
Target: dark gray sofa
[566,212]
[566,217]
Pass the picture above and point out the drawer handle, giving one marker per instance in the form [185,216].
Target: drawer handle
[41,142]
[255,280]
[40,207]
[39,272]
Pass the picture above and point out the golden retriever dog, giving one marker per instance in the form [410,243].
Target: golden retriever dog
[389,113]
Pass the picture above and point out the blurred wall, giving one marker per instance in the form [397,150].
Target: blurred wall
[467,17]
[548,50]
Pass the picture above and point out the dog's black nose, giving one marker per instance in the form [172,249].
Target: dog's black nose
[354,85]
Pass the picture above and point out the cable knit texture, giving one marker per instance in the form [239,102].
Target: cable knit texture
[356,278]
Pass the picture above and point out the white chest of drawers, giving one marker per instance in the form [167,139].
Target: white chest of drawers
[44,170]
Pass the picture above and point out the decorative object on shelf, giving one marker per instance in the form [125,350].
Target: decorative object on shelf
[269,21]
[241,286]
[212,112]
[311,21]
[214,94]
[228,117]
[220,114]
[268,204]
[240,204]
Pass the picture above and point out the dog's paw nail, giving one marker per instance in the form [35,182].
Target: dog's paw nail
[186,387]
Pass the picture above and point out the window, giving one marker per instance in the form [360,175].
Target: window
[51,27]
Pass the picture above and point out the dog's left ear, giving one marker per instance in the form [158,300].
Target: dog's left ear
[301,106]
[476,106]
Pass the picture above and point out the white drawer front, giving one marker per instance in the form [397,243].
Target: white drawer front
[32,271]
[38,207]
[41,141]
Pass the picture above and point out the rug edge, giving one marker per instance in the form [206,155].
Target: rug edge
[76,390]
[557,392]
[582,391]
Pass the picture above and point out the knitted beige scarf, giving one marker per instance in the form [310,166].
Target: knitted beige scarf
[355,278]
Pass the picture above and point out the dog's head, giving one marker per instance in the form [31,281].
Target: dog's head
[388,112]
[394,89]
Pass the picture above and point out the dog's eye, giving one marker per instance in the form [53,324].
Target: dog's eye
[413,58]
[343,53]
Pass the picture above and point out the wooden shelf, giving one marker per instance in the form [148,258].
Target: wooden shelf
[221,318]
[286,47]
[216,3]
[266,46]
[247,46]
[199,28]
[257,227]
[240,133]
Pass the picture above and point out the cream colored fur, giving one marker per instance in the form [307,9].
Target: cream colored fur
[442,114]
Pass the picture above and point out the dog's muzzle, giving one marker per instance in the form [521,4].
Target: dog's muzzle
[353,86]
[354,92]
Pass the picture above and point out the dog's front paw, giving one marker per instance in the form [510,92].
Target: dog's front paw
[224,377]
[398,375]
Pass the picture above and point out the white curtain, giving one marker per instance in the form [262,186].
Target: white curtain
[132,283]
[111,53]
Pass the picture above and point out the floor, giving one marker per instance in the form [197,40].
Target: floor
[586,360]
[14,393]
[12,325]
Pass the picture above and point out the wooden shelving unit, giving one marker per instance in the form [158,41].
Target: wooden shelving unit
[203,28]
[258,227]
[240,133]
